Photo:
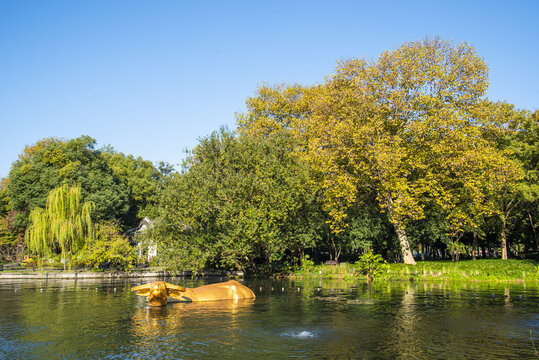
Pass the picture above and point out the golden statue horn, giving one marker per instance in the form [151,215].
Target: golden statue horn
[175,287]
[141,287]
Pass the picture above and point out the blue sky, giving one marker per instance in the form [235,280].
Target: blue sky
[150,78]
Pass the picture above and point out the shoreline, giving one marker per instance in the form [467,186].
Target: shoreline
[427,280]
[74,275]
[487,270]
[84,274]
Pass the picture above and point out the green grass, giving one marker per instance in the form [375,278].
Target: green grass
[478,270]
[491,270]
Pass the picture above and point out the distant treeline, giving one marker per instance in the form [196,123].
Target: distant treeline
[403,155]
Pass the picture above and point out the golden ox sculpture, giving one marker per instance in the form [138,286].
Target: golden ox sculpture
[158,292]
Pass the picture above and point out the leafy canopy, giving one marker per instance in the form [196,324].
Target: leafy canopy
[239,203]
[411,126]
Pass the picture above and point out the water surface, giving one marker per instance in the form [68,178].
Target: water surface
[94,319]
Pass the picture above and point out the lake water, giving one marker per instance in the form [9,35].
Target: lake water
[303,319]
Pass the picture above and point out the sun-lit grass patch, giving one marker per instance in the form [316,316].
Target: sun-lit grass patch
[496,270]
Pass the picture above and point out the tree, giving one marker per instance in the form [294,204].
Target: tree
[506,195]
[33,176]
[51,163]
[65,223]
[367,229]
[524,143]
[405,126]
[518,184]
[8,234]
[240,203]
[431,232]
[142,179]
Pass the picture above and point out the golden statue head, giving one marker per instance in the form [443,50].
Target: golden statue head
[158,292]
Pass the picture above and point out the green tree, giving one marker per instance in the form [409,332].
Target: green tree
[524,143]
[34,175]
[8,234]
[5,206]
[367,229]
[65,223]
[430,233]
[240,203]
[53,162]
[143,180]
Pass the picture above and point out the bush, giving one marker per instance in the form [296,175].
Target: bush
[457,248]
[371,265]
[307,265]
[108,249]
[30,262]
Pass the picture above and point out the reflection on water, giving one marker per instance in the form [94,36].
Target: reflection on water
[150,322]
[407,326]
[309,319]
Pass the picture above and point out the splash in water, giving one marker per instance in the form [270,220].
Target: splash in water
[300,335]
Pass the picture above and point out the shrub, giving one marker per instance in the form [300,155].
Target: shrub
[307,265]
[457,248]
[108,249]
[30,262]
[371,265]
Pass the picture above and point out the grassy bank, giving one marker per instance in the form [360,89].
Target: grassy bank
[495,270]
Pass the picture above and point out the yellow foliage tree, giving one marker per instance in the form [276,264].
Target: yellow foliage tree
[410,126]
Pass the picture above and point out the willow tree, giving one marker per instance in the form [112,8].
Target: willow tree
[64,224]
[408,127]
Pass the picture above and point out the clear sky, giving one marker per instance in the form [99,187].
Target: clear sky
[150,78]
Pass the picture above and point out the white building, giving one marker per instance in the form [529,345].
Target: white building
[144,225]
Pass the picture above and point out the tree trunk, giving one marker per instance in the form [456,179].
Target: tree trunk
[506,211]
[407,256]
[504,242]
[474,246]
[534,234]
